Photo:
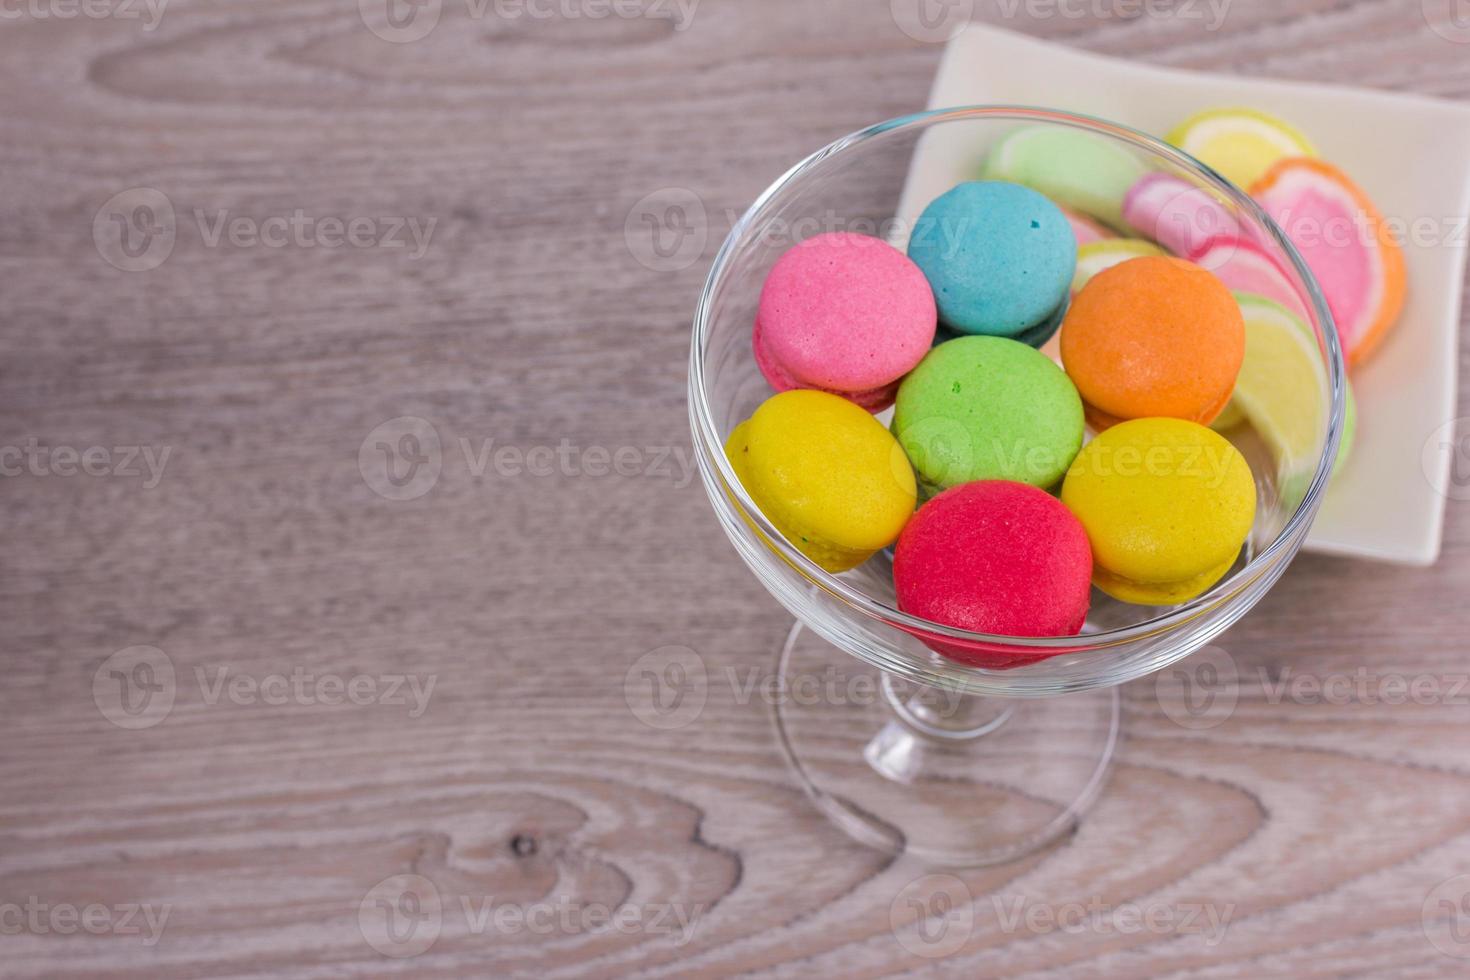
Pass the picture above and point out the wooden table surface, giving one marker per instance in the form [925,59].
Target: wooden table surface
[274,706]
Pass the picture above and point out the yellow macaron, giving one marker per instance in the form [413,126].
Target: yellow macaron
[1166,504]
[827,474]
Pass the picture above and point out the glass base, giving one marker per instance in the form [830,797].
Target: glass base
[952,780]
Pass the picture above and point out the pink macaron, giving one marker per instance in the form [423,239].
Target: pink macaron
[847,314]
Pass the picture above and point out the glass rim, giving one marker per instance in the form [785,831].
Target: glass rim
[710,448]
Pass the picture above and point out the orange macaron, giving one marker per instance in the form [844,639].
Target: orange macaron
[1153,337]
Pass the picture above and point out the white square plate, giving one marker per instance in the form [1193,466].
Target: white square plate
[1412,156]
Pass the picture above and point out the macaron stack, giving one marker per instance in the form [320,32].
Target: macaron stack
[1018,517]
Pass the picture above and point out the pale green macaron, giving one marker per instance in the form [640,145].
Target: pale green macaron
[1082,171]
[988,408]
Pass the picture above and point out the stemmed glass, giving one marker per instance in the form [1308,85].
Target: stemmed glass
[907,750]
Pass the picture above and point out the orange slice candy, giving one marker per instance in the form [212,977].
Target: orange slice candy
[1346,243]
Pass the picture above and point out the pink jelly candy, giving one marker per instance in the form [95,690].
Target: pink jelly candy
[1246,267]
[1357,260]
[1086,229]
[1178,215]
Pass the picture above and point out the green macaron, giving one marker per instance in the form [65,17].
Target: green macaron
[988,408]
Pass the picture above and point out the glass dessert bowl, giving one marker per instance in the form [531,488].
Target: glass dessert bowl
[908,750]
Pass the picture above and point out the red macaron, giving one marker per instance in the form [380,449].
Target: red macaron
[995,557]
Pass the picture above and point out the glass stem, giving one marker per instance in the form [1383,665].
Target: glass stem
[943,714]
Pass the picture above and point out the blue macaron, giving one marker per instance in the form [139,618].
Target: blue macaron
[1000,258]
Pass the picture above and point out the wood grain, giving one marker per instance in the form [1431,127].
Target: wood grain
[527,780]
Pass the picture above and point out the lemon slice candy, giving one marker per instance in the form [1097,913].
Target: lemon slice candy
[1242,144]
[1100,256]
[1282,391]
